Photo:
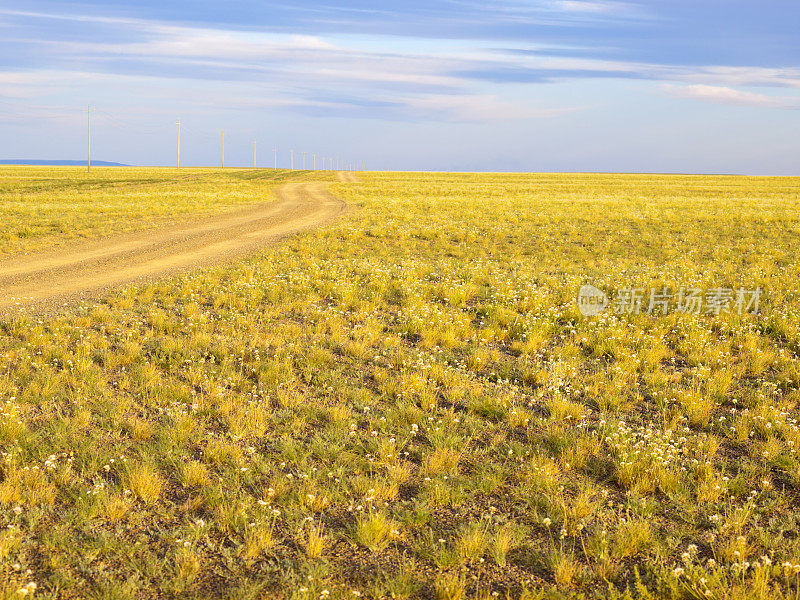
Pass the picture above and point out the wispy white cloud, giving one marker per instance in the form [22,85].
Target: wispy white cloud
[443,78]
[592,6]
[82,18]
[746,76]
[564,13]
[727,95]
[482,107]
[168,41]
[39,83]
[788,77]
[414,61]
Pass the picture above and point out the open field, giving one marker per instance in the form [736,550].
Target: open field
[47,279]
[407,404]
[45,206]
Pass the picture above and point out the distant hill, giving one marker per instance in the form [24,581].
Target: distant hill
[61,163]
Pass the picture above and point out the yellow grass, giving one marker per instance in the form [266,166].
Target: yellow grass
[407,403]
[45,206]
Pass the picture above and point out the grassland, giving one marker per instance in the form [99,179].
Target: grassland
[407,404]
[46,206]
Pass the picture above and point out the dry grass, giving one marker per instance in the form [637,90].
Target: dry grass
[46,206]
[407,404]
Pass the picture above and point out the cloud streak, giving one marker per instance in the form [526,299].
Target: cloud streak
[445,79]
[730,96]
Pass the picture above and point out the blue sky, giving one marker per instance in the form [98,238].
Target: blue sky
[539,85]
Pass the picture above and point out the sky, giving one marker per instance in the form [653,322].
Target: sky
[693,86]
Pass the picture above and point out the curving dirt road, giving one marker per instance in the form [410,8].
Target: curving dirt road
[51,279]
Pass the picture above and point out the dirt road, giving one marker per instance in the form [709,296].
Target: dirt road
[347,177]
[48,280]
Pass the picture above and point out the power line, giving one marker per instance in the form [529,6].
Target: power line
[208,136]
[116,122]
[89,139]
[179,143]
[113,120]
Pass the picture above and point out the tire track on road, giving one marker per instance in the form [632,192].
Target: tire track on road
[48,280]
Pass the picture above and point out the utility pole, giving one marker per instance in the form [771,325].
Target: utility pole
[179,143]
[223,149]
[304,161]
[315,161]
[89,140]
[276,157]
[291,161]
[254,154]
